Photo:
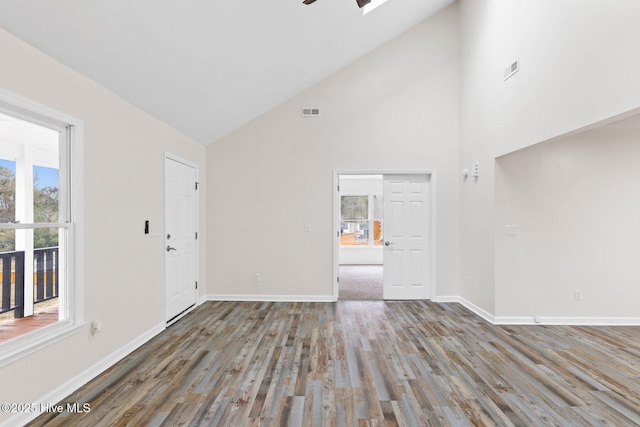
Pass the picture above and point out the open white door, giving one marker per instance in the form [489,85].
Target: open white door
[180,237]
[406,236]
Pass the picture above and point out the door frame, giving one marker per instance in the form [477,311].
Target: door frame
[170,156]
[432,220]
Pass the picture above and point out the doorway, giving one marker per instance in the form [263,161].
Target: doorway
[180,246]
[360,249]
[383,236]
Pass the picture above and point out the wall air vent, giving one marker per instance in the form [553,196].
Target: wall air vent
[310,112]
[513,68]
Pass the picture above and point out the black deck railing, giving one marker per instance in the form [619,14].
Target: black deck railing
[13,282]
[45,285]
[46,270]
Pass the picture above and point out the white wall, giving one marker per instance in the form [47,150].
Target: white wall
[124,269]
[576,69]
[404,106]
[575,203]
[396,108]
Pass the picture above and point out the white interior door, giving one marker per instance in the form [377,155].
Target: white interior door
[180,237]
[406,235]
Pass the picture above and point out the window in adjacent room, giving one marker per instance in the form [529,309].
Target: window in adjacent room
[361,220]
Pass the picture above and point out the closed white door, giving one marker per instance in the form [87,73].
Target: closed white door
[406,237]
[180,237]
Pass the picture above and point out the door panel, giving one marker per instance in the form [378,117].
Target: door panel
[397,212]
[415,222]
[406,230]
[180,237]
[393,258]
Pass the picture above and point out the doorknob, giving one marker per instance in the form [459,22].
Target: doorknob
[169,249]
[387,243]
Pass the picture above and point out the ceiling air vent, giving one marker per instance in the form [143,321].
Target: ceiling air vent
[310,112]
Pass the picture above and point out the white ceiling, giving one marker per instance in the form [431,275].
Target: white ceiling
[208,67]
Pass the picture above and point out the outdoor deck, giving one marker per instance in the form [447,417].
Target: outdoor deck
[14,298]
[12,328]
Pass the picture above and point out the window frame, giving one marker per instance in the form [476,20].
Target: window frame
[71,150]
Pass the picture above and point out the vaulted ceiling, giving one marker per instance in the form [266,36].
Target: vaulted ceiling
[207,67]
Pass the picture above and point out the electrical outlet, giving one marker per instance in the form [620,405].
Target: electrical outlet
[536,319]
[96,328]
[510,230]
[577,295]
[307,228]
[257,278]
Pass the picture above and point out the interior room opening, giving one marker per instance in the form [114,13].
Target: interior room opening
[384,245]
[360,256]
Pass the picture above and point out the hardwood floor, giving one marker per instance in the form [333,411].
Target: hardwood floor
[359,363]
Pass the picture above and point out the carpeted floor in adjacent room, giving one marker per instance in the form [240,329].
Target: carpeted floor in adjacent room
[360,282]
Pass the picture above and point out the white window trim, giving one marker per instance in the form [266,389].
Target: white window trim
[33,112]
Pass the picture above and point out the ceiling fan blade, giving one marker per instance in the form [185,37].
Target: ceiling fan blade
[361,3]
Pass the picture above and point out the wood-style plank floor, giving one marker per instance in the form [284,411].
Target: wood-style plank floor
[365,363]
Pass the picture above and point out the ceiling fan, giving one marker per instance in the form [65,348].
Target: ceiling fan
[361,3]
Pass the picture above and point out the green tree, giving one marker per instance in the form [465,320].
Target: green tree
[354,207]
[45,209]
[7,208]
[7,195]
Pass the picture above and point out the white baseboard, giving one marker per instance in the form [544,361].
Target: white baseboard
[541,320]
[567,321]
[495,320]
[478,310]
[468,304]
[81,379]
[450,298]
[268,298]
[514,320]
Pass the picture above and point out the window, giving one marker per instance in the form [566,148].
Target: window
[361,220]
[372,5]
[38,226]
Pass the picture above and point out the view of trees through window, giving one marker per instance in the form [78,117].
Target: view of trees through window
[45,205]
[34,229]
[361,220]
